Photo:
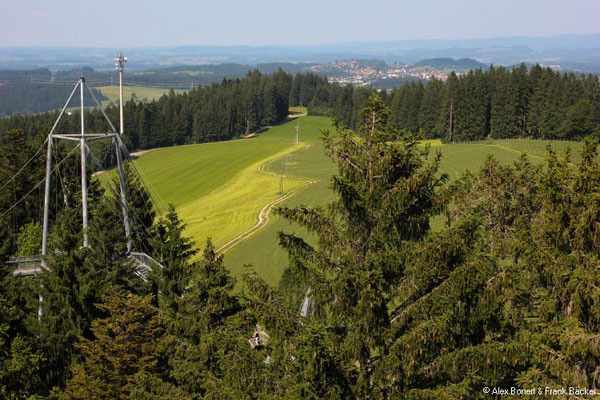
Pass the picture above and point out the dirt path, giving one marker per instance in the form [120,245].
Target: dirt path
[139,153]
[263,215]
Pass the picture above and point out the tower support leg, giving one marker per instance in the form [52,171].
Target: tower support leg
[117,142]
[46,215]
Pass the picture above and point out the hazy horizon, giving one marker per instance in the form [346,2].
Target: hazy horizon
[38,23]
[275,44]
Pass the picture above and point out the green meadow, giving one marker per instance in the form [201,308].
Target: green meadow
[220,188]
[141,93]
[262,249]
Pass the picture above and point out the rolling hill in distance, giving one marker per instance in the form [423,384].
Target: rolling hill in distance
[22,90]
[25,72]
[581,51]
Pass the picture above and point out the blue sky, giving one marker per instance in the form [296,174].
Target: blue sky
[231,22]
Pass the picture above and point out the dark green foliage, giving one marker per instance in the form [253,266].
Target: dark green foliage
[77,279]
[15,152]
[471,109]
[20,375]
[208,299]
[497,103]
[429,110]
[406,105]
[205,114]
[174,251]
[504,120]
[121,351]
[505,294]
[518,306]
[386,196]
[446,121]
[201,330]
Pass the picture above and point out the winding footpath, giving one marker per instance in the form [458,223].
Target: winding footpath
[263,215]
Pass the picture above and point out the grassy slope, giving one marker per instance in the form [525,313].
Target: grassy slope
[230,210]
[219,191]
[262,250]
[217,187]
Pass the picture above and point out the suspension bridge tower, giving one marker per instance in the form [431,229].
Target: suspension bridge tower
[142,262]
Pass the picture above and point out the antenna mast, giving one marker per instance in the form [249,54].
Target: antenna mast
[119,60]
[83,148]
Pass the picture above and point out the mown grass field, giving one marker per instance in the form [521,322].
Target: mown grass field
[141,92]
[218,189]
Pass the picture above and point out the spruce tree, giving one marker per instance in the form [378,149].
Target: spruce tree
[472,107]
[386,196]
[430,108]
[201,330]
[504,121]
[515,303]
[446,122]
[522,86]
[174,251]
[121,351]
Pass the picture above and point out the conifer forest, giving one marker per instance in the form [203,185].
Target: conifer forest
[374,301]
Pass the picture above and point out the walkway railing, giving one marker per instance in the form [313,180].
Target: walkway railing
[32,265]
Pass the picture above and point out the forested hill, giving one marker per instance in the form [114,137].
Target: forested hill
[496,103]
[39,90]
[218,112]
[373,303]
[442,63]
[29,91]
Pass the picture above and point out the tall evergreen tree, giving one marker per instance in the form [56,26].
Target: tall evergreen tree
[122,352]
[200,331]
[446,123]
[386,197]
[174,251]
[430,108]
[472,107]
[521,84]
[504,120]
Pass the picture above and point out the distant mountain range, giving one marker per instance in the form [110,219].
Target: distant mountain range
[573,52]
[450,63]
[35,90]
[359,72]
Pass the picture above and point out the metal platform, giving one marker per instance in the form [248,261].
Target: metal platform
[32,265]
[143,264]
[26,266]
[307,304]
